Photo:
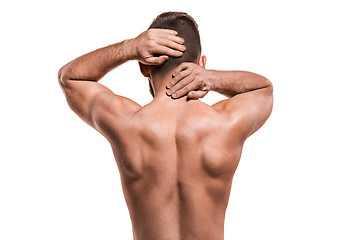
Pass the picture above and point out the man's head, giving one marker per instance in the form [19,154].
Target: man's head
[187,29]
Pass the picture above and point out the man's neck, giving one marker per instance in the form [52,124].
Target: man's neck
[160,89]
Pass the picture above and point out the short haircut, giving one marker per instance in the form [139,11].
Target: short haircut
[187,29]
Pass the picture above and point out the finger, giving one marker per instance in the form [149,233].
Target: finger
[179,69]
[179,81]
[184,82]
[192,85]
[157,60]
[174,38]
[163,31]
[170,44]
[182,66]
[168,51]
[197,94]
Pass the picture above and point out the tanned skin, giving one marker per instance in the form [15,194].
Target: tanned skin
[176,155]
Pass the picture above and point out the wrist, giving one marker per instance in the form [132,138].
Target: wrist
[212,79]
[129,46]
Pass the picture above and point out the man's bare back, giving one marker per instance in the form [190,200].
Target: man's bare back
[176,167]
[176,156]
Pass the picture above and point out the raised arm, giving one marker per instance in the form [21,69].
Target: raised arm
[250,95]
[250,102]
[231,83]
[92,101]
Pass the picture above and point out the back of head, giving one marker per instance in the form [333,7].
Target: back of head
[187,29]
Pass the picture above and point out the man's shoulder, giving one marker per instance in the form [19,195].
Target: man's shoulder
[110,111]
[128,104]
[116,104]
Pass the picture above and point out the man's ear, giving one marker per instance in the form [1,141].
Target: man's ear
[202,61]
[144,70]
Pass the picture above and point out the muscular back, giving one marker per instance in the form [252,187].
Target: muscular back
[176,166]
[176,158]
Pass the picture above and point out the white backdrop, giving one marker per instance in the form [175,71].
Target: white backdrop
[299,175]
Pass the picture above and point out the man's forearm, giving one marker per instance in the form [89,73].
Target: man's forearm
[231,83]
[94,65]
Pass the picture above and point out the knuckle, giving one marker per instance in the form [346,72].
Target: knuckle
[181,75]
[181,84]
[183,65]
[151,44]
[180,93]
[174,80]
[175,88]
[150,36]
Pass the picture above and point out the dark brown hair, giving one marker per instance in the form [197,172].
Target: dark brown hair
[187,28]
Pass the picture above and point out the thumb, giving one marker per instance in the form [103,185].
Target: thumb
[197,94]
[157,60]
[163,59]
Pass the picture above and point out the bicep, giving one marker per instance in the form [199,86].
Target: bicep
[248,111]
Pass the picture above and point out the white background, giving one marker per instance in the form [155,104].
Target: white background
[299,175]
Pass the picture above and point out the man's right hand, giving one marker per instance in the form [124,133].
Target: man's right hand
[154,42]
[190,79]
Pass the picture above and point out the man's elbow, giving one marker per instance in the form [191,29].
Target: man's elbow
[62,77]
[269,86]
[270,90]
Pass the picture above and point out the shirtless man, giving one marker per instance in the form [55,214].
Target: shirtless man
[176,155]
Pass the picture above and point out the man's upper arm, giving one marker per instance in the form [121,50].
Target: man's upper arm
[96,104]
[248,111]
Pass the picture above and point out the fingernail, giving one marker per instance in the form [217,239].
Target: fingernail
[168,92]
[174,95]
[168,85]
